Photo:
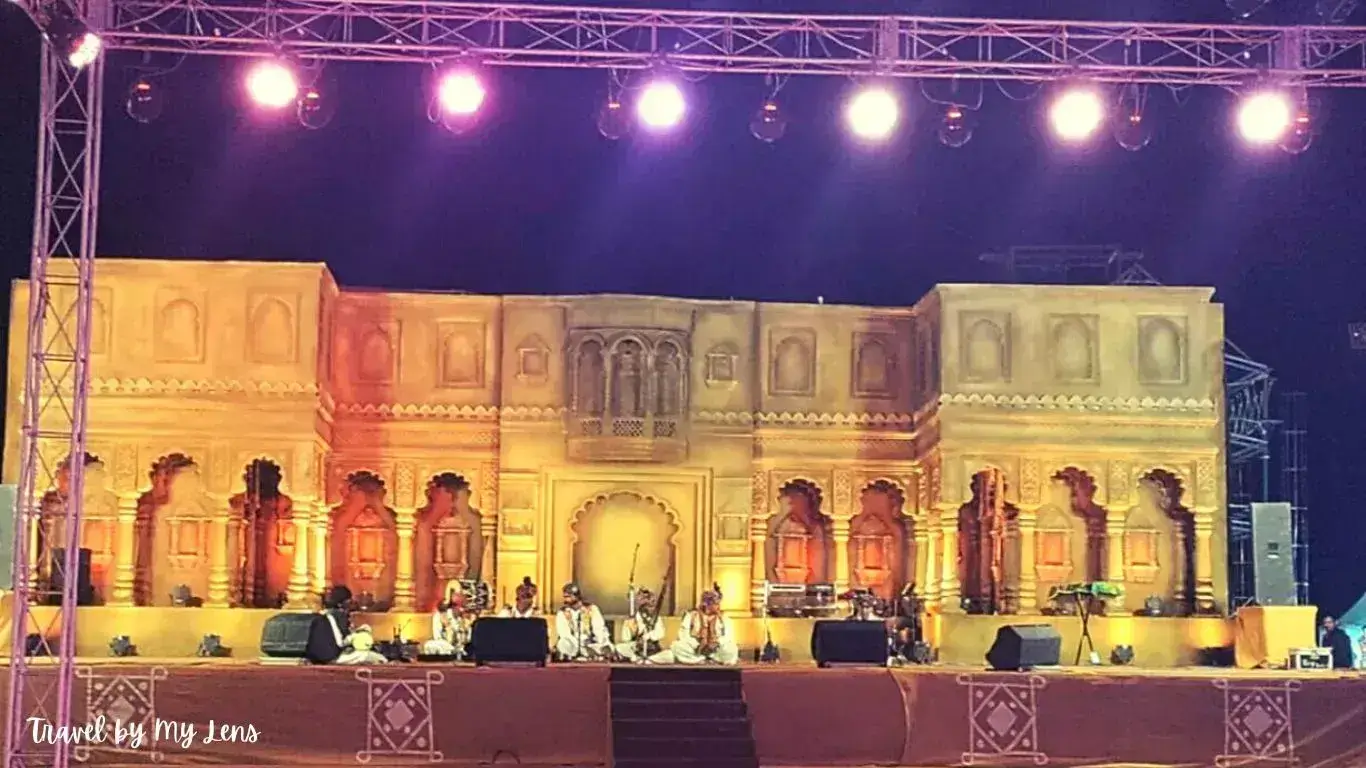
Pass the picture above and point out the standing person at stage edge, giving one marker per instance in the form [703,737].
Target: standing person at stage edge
[705,636]
[1337,640]
[580,630]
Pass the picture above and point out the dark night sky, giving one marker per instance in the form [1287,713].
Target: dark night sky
[537,202]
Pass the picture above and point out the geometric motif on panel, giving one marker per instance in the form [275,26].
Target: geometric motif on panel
[1003,719]
[399,720]
[123,700]
[1259,726]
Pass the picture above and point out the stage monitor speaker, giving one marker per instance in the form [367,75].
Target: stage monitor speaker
[85,593]
[1025,646]
[285,635]
[510,641]
[9,498]
[1273,554]
[849,643]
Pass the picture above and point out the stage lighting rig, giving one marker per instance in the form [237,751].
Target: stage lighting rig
[955,128]
[460,97]
[1133,131]
[1265,117]
[272,84]
[1077,112]
[873,112]
[316,107]
[1300,135]
[769,123]
[662,104]
[67,33]
[145,101]
[613,120]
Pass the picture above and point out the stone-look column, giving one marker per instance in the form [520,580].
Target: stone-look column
[219,555]
[1203,526]
[488,567]
[405,599]
[758,569]
[321,529]
[125,551]
[299,595]
[1028,595]
[1114,558]
[928,555]
[950,588]
[839,534]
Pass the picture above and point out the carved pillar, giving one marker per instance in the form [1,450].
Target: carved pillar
[1204,562]
[1028,596]
[299,594]
[321,528]
[1114,556]
[758,570]
[839,529]
[950,588]
[405,599]
[488,571]
[219,554]
[928,554]
[125,551]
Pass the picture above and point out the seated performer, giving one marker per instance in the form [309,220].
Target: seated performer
[907,632]
[450,627]
[525,607]
[330,639]
[705,636]
[642,634]
[580,630]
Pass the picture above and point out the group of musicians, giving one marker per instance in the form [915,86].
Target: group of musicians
[704,636]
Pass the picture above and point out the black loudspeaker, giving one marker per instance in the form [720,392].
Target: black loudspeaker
[510,641]
[1025,646]
[85,593]
[849,642]
[1273,560]
[285,636]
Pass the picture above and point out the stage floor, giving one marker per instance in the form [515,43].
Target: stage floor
[801,716]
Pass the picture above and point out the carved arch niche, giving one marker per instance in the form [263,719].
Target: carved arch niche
[628,391]
[597,531]
[99,518]
[1070,540]
[988,546]
[800,546]
[985,344]
[1159,543]
[1162,350]
[792,354]
[264,536]
[365,541]
[172,529]
[1073,348]
[588,396]
[179,328]
[880,539]
[449,544]
[274,334]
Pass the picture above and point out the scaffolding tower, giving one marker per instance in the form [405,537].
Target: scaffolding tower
[1251,429]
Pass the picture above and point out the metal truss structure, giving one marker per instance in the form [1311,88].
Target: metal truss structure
[415,31]
[897,46]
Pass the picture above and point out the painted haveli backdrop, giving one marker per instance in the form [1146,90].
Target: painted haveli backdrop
[258,433]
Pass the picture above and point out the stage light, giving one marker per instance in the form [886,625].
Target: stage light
[954,129]
[1301,133]
[1076,114]
[873,113]
[272,84]
[78,45]
[122,646]
[316,108]
[613,122]
[1265,117]
[145,101]
[661,105]
[1132,131]
[461,92]
[769,123]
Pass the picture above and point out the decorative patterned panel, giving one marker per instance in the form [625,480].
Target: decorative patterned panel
[722,365]
[533,361]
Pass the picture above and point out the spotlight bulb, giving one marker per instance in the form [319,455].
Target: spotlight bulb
[1077,114]
[661,105]
[78,45]
[873,113]
[83,51]
[1265,118]
[316,109]
[461,93]
[613,122]
[1132,132]
[954,129]
[145,101]
[272,85]
[769,123]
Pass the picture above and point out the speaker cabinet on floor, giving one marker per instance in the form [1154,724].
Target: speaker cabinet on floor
[1025,646]
[849,643]
[285,635]
[510,641]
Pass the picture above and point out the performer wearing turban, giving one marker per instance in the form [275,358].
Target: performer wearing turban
[580,630]
[451,623]
[525,607]
[642,634]
[705,636]
[330,639]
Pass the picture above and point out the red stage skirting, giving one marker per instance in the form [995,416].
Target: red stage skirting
[802,717]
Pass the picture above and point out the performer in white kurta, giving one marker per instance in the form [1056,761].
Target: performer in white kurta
[451,624]
[580,630]
[642,636]
[705,636]
[525,607]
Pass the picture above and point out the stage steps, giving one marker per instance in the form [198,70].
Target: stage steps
[680,717]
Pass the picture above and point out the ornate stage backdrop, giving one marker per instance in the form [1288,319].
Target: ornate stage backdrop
[257,433]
